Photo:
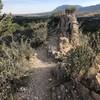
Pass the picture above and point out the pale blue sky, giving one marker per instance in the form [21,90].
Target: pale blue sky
[37,6]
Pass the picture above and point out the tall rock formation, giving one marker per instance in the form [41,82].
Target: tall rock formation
[75,36]
[67,35]
[68,32]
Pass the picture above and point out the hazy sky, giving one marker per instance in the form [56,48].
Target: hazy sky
[36,6]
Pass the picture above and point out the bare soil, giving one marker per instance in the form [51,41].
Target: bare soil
[40,79]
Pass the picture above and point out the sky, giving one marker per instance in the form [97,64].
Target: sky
[38,6]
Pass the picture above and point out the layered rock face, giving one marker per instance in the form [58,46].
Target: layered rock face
[64,45]
[75,36]
[66,37]
[65,88]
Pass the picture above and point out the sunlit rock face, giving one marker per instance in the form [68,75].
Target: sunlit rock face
[64,45]
[75,31]
[66,37]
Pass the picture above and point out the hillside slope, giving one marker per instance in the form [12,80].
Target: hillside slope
[89,9]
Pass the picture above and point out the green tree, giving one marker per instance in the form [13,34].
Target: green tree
[6,23]
[7,27]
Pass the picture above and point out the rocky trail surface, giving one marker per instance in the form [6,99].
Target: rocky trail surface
[40,85]
[40,79]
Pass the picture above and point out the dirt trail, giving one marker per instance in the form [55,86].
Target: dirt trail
[39,84]
[40,78]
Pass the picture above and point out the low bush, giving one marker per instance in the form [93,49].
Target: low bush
[13,65]
[79,59]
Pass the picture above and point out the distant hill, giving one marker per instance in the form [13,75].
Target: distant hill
[88,9]
[35,14]
[63,7]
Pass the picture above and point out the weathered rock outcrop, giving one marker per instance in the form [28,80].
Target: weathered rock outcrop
[66,36]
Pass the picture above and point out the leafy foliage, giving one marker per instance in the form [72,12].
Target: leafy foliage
[13,65]
[80,59]
[7,27]
[40,33]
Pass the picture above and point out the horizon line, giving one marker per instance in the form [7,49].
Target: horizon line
[44,11]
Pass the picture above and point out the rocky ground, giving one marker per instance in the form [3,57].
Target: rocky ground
[47,82]
[39,81]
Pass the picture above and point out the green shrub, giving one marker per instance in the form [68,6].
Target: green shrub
[39,34]
[7,27]
[13,65]
[80,59]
